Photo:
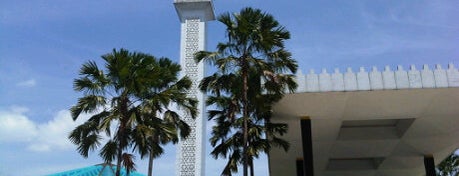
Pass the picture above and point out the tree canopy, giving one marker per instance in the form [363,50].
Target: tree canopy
[125,101]
[254,70]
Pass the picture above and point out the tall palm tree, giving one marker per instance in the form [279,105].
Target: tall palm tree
[227,134]
[255,41]
[117,95]
[161,122]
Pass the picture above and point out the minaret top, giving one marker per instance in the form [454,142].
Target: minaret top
[188,9]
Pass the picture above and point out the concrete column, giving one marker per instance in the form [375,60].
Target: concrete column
[306,137]
[299,167]
[429,165]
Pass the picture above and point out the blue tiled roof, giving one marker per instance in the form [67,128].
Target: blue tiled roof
[96,170]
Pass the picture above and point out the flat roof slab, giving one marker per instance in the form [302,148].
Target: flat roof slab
[383,132]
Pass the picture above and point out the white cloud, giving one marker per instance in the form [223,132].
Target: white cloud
[53,134]
[27,83]
[15,126]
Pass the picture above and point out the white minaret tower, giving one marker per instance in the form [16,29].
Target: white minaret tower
[193,16]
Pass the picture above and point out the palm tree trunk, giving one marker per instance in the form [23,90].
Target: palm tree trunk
[122,142]
[118,163]
[150,163]
[268,137]
[252,172]
[153,140]
[120,148]
[245,118]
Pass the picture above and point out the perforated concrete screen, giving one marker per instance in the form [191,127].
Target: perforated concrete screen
[193,15]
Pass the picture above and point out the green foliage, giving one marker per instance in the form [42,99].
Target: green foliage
[130,93]
[253,72]
[449,166]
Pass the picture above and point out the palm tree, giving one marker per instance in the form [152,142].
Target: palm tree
[118,96]
[161,130]
[227,135]
[449,166]
[255,41]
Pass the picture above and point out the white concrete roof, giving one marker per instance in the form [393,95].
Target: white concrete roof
[381,132]
[379,80]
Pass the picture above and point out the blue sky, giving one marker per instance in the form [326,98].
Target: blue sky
[44,42]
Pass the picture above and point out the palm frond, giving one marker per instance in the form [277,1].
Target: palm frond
[88,143]
[108,151]
[128,162]
[87,104]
